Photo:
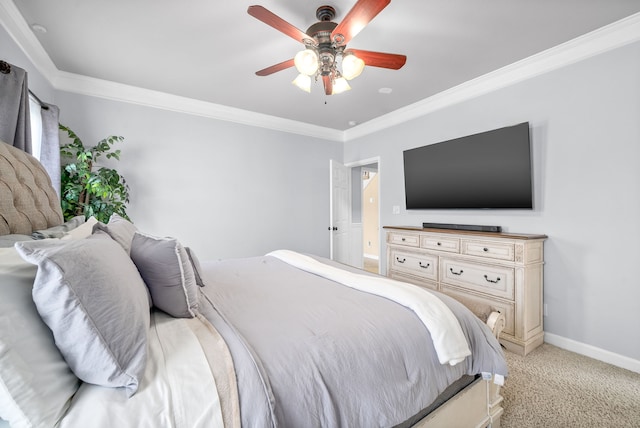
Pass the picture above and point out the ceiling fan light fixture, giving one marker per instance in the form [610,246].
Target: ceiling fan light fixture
[306,61]
[352,66]
[325,56]
[303,82]
[340,85]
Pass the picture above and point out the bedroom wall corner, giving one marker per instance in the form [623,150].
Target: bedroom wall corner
[12,54]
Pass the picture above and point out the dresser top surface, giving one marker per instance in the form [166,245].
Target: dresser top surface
[506,235]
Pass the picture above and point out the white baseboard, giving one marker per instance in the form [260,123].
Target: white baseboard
[593,352]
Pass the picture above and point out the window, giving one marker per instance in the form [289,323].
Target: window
[36,126]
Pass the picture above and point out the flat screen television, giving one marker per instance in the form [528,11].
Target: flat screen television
[489,170]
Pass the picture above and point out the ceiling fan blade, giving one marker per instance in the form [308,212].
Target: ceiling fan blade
[356,19]
[278,23]
[328,85]
[275,68]
[380,59]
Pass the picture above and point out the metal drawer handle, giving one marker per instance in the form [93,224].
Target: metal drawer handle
[485,249]
[492,281]
[439,243]
[456,273]
[404,239]
[400,261]
[424,266]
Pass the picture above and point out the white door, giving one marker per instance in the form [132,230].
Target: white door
[340,205]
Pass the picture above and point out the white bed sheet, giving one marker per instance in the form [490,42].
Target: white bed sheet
[178,389]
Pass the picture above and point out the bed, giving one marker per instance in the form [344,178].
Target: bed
[104,325]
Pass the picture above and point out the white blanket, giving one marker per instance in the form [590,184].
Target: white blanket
[449,340]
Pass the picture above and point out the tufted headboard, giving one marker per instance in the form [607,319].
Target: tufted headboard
[28,201]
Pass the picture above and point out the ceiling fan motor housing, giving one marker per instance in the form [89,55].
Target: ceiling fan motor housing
[321,33]
[325,13]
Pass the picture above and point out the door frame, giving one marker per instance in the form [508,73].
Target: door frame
[364,162]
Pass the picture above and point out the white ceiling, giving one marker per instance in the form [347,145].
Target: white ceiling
[210,50]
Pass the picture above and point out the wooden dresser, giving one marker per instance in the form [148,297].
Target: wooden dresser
[503,271]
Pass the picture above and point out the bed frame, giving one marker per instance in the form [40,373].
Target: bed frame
[33,204]
[478,405]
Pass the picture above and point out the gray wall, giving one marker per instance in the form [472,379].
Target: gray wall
[585,121]
[226,190]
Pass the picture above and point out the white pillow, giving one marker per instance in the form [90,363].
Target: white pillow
[36,383]
[167,271]
[91,296]
[83,231]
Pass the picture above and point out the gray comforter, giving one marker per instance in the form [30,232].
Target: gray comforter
[309,352]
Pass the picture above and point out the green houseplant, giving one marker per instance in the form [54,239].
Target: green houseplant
[87,188]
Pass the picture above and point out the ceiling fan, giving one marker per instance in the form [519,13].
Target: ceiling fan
[326,42]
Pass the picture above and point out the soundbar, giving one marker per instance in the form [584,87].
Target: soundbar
[472,227]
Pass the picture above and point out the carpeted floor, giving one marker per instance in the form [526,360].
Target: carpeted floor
[552,387]
[370,265]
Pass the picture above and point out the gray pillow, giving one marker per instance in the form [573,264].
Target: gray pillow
[120,229]
[61,230]
[36,384]
[166,269]
[91,296]
[197,269]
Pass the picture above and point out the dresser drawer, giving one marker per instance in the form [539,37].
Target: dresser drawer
[422,265]
[440,243]
[408,239]
[494,280]
[505,308]
[421,282]
[489,249]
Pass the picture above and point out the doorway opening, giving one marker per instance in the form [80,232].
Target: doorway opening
[370,218]
[365,214]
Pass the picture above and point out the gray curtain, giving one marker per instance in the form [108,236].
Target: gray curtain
[14,107]
[50,149]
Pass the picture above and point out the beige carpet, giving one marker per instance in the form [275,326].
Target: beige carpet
[552,387]
[370,265]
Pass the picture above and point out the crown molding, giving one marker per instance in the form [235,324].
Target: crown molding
[21,33]
[612,36]
[617,34]
[84,85]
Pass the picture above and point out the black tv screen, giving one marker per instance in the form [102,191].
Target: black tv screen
[487,170]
